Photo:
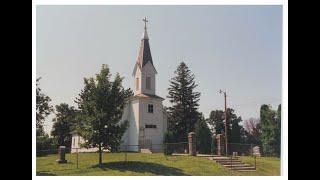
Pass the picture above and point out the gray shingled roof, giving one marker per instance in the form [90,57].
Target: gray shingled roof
[144,53]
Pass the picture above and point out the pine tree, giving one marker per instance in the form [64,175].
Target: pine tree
[184,111]
[203,135]
[236,130]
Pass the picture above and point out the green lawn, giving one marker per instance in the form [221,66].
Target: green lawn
[147,164]
[266,166]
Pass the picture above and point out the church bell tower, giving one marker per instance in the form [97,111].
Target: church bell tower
[144,71]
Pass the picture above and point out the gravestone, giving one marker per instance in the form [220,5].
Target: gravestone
[62,154]
[256,151]
[220,144]
[192,144]
[234,154]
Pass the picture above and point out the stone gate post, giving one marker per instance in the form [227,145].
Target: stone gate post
[220,144]
[192,144]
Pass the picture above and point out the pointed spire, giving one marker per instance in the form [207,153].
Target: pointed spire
[145,33]
[144,52]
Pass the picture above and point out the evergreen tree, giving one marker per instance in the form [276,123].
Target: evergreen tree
[101,105]
[203,135]
[168,139]
[236,130]
[213,146]
[232,120]
[184,111]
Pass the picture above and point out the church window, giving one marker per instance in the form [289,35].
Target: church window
[137,83]
[151,126]
[148,83]
[150,108]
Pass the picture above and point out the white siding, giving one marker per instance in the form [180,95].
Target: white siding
[138,116]
[137,74]
[148,71]
[76,145]
[155,118]
[131,114]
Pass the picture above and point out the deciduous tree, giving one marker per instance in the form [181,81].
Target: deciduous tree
[43,108]
[101,104]
[63,124]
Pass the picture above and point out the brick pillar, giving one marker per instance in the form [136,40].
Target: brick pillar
[220,144]
[192,143]
[62,154]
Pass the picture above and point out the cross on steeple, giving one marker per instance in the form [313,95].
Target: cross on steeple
[145,22]
[144,52]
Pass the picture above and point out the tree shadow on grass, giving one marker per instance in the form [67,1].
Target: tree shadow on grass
[45,173]
[142,167]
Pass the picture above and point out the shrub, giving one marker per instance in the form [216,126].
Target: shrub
[168,138]
[213,146]
[46,145]
[204,137]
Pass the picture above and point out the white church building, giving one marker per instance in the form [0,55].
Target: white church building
[144,110]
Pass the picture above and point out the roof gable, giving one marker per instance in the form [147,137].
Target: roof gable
[136,67]
[149,65]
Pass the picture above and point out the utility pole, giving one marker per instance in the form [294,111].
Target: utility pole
[225,116]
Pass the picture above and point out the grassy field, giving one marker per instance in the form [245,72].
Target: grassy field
[266,166]
[147,164]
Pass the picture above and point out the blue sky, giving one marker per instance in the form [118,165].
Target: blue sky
[234,48]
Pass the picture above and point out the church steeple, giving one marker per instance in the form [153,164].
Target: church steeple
[144,71]
[144,53]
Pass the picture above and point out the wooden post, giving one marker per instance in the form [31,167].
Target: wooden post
[77,158]
[226,125]
[255,162]
[231,162]
[100,155]
[126,152]
[226,121]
